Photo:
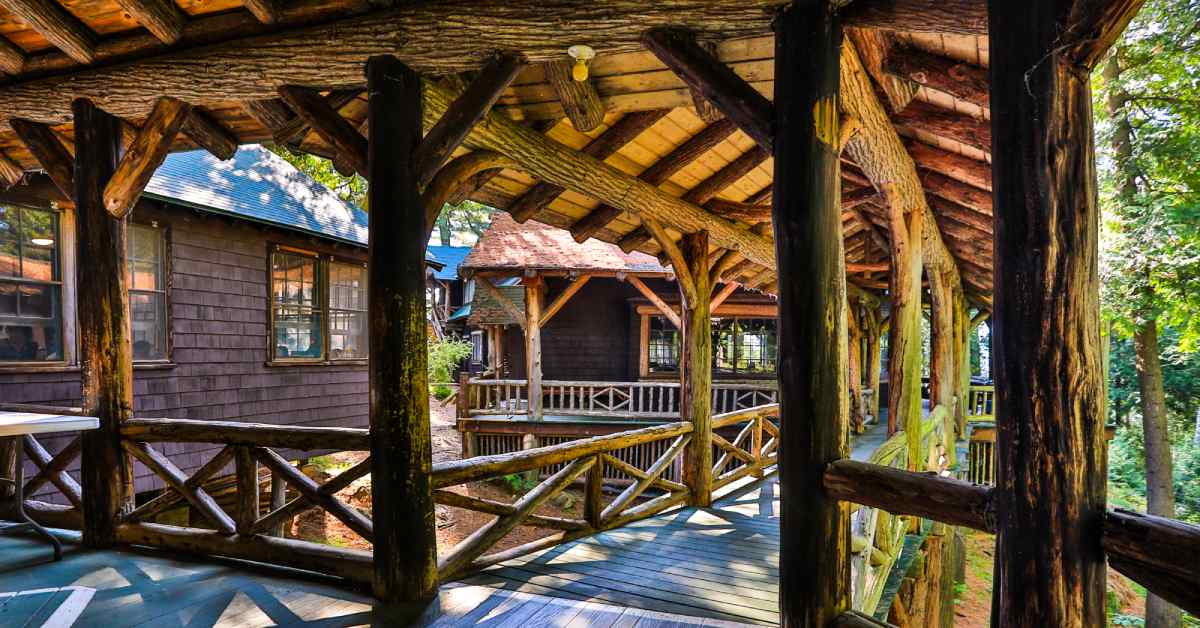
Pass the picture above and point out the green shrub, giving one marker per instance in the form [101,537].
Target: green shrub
[444,357]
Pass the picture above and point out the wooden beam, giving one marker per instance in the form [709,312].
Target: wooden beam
[10,171]
[695,366]
[562,299]
[49,151]
[743,212]
[958,17]
[901,492]
[271,113]
[405,543]
[453,176]
[657,174]
[960,193]
[874,46]
[105,351]
[814,578]
[1050,449]
[12,58]
[144,156]
[207,133]
[962,80]
[952,125]
[162,18]
[329,124]
[729,174]
[605,145]
[62,29]
[293,129]
[666,310]
[705,74]
[964,169]
[720,297]
[481,179]
[579,99]
[535,289]
[265,11]
[683,276]
[466,110]
[1158,553]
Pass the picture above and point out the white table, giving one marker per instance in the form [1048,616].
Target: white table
[16,425]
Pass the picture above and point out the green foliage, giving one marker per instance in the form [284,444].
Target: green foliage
[1181,381]
[352,189]
[518,483]
[445,356]
[468,220]
[1127,473]
[441,391]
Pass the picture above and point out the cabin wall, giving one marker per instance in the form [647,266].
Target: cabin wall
[218,317]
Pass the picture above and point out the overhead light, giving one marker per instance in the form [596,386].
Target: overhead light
[42,242]
[582,55]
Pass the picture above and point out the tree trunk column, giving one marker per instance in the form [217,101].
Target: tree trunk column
[1050,492]
[105,346]
[535,288]
[904,339]
[814,585]
[401,454]
[696,376]
[854,367]
[942,363]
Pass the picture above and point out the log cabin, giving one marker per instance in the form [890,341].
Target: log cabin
[246,297]
[835,154]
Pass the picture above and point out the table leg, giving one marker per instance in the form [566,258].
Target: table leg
[22,518]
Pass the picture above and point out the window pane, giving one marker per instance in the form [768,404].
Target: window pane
[298,332]
[294,279]
[347,334]
[10,249]
[347,287]
[663,349]
[756,345]
[36,300]
[29,323]
[8,299]
[39,242]
[147,311]
[723,341]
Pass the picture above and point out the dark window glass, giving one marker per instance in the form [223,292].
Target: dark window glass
[663,349]
[30,286]
[347,311]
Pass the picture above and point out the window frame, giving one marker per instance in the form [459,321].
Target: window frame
[731,312]
[164,233]
[322,290]
[66,338]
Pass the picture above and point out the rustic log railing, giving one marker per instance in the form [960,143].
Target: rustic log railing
[755,447]
[645,400]
[981,403]
[51,470]
[877,537]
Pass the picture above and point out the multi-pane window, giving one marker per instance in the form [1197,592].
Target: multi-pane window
[147,292]
[663,345]
[756,345]
[30,286]
[347,311]
[477,346]
[319,308]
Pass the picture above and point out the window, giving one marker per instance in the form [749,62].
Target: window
[30,286]
[347,311]
[318,307]
[147,292]
[663,345]
[477,352]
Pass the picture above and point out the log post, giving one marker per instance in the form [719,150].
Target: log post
[962,362]
[695,383]
[854,365]
[872,330]
[814,585]
[535,288]
[943,377]
[401,456]
[105,345]
[904,335]
[1050,447]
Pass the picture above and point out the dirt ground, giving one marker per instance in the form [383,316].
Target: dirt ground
[453,524]
[973,609]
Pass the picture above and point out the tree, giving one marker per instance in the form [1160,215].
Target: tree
[467,218]
[352,189]
[1151,116]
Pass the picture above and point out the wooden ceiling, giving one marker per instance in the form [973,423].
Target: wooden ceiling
[930,76]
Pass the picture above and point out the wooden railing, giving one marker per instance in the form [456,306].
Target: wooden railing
[981,455]
[755,447]
[643,400]
[981,403]
[878,536]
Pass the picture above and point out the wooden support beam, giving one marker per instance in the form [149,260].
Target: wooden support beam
[481,179]
[1159,553]
[12,58]
[604,146]
[704,108]
[720,297]
[271,113]
[952,125]
[329,124]
[10,171]
[874,46]
[49,151]
[162,18]
[62,29]
[952,190]
[265,11]
[651,296]
[814,579]
[964,169]
[744,212]
[657,174]
[208,134]
[562,299]
[683,274]
[405,544]
[729,174]
[105,349]
[144,156]
[460,172]
[579,99]
[695,366]
[1051,479]
[293,129]
[535,289]
[900,492]
[962,80]
[466,110]
[705,74]
[176,479]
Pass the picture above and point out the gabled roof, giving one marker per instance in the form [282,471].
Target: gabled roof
[451,256]
[509,245]
[260,186]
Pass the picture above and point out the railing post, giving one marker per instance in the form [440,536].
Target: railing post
[696,378]
[105,348]
[535,288]
[814,561]
[247,490]
[462,401]
[593,505]
[758,445]
[401,456]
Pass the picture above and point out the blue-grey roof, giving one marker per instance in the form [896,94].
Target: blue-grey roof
[451,256]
